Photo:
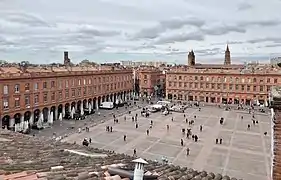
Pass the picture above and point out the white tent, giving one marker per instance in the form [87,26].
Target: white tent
[16,127]
[40,121]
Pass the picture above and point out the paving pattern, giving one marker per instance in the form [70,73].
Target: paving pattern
[243,153]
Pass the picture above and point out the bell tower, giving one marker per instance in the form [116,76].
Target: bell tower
[227,60]
[191,58]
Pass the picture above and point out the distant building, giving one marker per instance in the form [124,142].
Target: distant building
[275,60]
[143,63]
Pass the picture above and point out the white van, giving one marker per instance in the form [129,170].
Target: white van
[106,105]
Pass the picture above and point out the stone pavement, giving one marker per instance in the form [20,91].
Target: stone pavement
[243,153]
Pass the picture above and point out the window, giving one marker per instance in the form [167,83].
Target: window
[35,86]
[237,80]
[90,81]
[73,82]
[196,78]
[268,88]
[79,82]
[66,93]
[145,76]
[53,96]
[5,103]
[79,92]
[84,82]
[73,93]
[17,88]
[17,102]
[26,87]
[44,85]
[255,80]
[66,83]
[261,88]
[45,97]
[36,99]
[201,78]
[236,87]
[85,90]
[268,80]
[27,100]
[230,86]
[255,88]
[275,80]
[52,84]
[243,87]
[60,84]
[145,81]
[60,95]
[248,88]
[6,89]
[179,77]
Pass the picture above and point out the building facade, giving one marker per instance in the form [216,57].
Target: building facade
[28,93]
[226,83]
[151,81]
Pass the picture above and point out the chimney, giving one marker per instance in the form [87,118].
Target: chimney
[139,171]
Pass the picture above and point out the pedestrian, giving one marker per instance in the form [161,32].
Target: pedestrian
[184,115]
[195,138]
[181,142]
[172,119]
[168,127]
[217,141]
[241,117]
[257,122]
[220,140]
[90,140]
[135,152]
[265,133]
[194,117]
[124,118]
[151,122]
[147,132]
[249,126]
[79,130]
[137,125]
[201,128]
[125,137]
[187,135]
[187,151]
[254,122]
[133,119]
[110,128]
[186,120]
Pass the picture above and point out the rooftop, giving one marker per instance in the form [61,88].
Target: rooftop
[33,158]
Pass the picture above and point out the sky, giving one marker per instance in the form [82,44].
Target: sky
[39,31]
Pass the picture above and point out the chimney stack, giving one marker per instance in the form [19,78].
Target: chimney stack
[139,171]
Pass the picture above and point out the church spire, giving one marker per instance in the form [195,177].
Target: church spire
[227,60]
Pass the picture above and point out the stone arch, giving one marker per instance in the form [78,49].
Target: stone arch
[17,118]
[111,98]
[107,98]
[27,116]
[36,115]
[90,105]
[6,122]
[103,99]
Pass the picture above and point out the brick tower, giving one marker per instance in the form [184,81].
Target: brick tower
[191,58]
[227,60]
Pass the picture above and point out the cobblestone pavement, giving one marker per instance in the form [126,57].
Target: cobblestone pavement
[243,153]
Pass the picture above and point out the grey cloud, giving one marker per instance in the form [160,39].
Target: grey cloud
[228,42]
[273,45]
[163,26]
[260,23]
[94,32]
[268,39]
[195,36]
[244,6]
[209,52]
[223,29]
[24,18]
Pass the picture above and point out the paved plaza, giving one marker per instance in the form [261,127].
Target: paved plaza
[243,153]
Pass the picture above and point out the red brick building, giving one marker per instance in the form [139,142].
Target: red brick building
[226,83]
[150,80]
[28,93]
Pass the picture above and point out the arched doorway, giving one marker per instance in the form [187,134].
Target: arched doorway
[99,101]
[107,98]
[94,103]
[85,107]
[78,110]
[53,112]
[45,112]
[67,110]
[114,98]
[36,115]
[90,106]
[59,111]
[17,118]
[27,116]
[103,98]
[6,122]
[111,98]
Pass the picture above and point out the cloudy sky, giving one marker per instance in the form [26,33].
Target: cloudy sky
[165,30]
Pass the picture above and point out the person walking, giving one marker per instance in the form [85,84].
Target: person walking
[187,151]
[125,137]
[135,152]
[147,132]
[181,142]
[201,128]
